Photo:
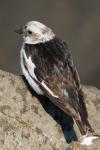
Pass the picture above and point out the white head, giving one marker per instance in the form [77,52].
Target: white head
[35,32]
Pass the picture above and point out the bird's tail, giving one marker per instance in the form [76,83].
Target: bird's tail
[88,135]
[83,123]
[84,126]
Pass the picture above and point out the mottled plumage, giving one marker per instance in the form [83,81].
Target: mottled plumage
[54,66]
[48,67]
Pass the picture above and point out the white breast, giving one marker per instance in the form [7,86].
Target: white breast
[29,75]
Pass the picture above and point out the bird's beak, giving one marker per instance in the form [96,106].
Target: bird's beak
[19,31]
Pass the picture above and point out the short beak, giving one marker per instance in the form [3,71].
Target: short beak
[19,31]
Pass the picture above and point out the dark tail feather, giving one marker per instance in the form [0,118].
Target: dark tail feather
[83,123]
[84,126]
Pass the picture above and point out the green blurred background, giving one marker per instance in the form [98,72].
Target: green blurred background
[75,21]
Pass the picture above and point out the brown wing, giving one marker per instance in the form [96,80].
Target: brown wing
[57,77]
[78,87]
[61,78]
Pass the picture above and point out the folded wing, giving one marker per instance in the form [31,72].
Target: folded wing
[58,78]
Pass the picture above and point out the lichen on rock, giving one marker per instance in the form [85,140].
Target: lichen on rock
[32,122]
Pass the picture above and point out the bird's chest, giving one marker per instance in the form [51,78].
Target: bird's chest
[28,68]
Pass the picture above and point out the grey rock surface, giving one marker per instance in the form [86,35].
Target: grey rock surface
[31,122]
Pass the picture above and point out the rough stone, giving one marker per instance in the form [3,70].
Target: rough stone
[32,122]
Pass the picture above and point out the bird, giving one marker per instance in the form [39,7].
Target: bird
[47,65]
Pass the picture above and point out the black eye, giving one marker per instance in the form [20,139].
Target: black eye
[29,32]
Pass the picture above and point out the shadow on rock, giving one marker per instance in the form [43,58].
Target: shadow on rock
[64,120]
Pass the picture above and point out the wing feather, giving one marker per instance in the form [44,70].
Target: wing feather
[78,87]
[57,76]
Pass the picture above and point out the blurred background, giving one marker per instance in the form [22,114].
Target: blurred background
[75,21]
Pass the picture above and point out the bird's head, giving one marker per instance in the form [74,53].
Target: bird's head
[35,32]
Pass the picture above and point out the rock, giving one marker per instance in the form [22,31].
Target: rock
[32,122]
